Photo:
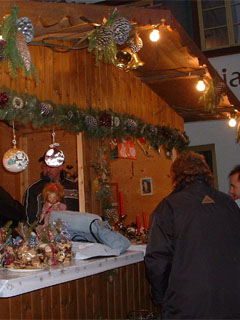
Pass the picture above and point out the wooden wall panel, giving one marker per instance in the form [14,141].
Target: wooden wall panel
[74,78]
[109,295]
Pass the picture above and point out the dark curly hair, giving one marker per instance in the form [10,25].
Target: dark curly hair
[190,166]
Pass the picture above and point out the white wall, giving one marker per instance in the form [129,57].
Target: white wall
[218,132]
[227,150]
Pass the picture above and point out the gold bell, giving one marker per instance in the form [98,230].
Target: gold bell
[123,58]
[135,62]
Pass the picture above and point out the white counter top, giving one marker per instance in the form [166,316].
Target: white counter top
[13,283]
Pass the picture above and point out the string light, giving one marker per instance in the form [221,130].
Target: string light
[232,122]
[201,86]
[154,35]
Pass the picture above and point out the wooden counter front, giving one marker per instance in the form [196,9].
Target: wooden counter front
[106,295]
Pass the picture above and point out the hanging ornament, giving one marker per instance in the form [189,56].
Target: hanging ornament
[69,115]
[15,160]
[104,37]
[123,59]
[17,103]
[152,130]
[53,156]
[90,122]
[46,109]
[121,30]
[131,124]
[105,120]
[26,27]
[116,122]
[23,50]
[3,99]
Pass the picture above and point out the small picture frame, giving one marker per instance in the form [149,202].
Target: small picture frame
[146,186]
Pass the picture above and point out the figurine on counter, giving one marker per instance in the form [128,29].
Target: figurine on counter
[52,194]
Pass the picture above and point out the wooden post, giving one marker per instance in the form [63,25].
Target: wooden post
[81,188]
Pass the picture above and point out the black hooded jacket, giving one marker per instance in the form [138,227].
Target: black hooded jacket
[10,209]
[193,254]
[33,201]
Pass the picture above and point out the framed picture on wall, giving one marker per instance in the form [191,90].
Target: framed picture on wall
[146,186]
[208,151]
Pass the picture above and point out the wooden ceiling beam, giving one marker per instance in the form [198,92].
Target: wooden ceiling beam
[179,75]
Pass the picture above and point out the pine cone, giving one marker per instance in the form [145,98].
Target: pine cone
[121,30]
[90,122]
[131,124]
[46,109]
[23,49]
[104,38]
[135,44]
[219,91]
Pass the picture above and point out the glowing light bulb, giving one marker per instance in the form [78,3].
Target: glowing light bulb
[201,85]
[232,122]
[154,35]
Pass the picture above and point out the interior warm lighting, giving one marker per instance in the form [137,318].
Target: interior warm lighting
[232,122]
[201,86]
[154,35]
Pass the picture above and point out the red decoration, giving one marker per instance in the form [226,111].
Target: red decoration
[127,149]
[3,99]
[106,120]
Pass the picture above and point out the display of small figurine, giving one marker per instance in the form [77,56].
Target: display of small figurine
[52,195]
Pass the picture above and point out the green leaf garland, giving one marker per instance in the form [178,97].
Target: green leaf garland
[91,121]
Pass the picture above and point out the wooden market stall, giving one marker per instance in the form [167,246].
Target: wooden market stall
[72,77]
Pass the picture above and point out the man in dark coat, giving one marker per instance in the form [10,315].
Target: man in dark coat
[193,253]
[10,209]
[33,200]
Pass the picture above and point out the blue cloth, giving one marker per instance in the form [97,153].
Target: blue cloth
[84,226]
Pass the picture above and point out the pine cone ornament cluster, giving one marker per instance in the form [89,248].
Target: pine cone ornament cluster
[46,109]
[23,50]
[90,122]
[104,37]
[121,30]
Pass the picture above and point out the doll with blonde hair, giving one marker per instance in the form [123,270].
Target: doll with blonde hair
[52,194]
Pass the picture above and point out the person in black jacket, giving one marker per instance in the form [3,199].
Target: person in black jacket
[234,177]
[193,252]
[10,209]
[33,200]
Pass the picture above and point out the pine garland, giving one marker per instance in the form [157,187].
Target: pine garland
[94,122]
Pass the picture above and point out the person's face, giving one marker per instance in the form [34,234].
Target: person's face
[235,186]
[53,173]
[44,169]
[52,198]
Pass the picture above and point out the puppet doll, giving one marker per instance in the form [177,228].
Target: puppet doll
[52,195]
